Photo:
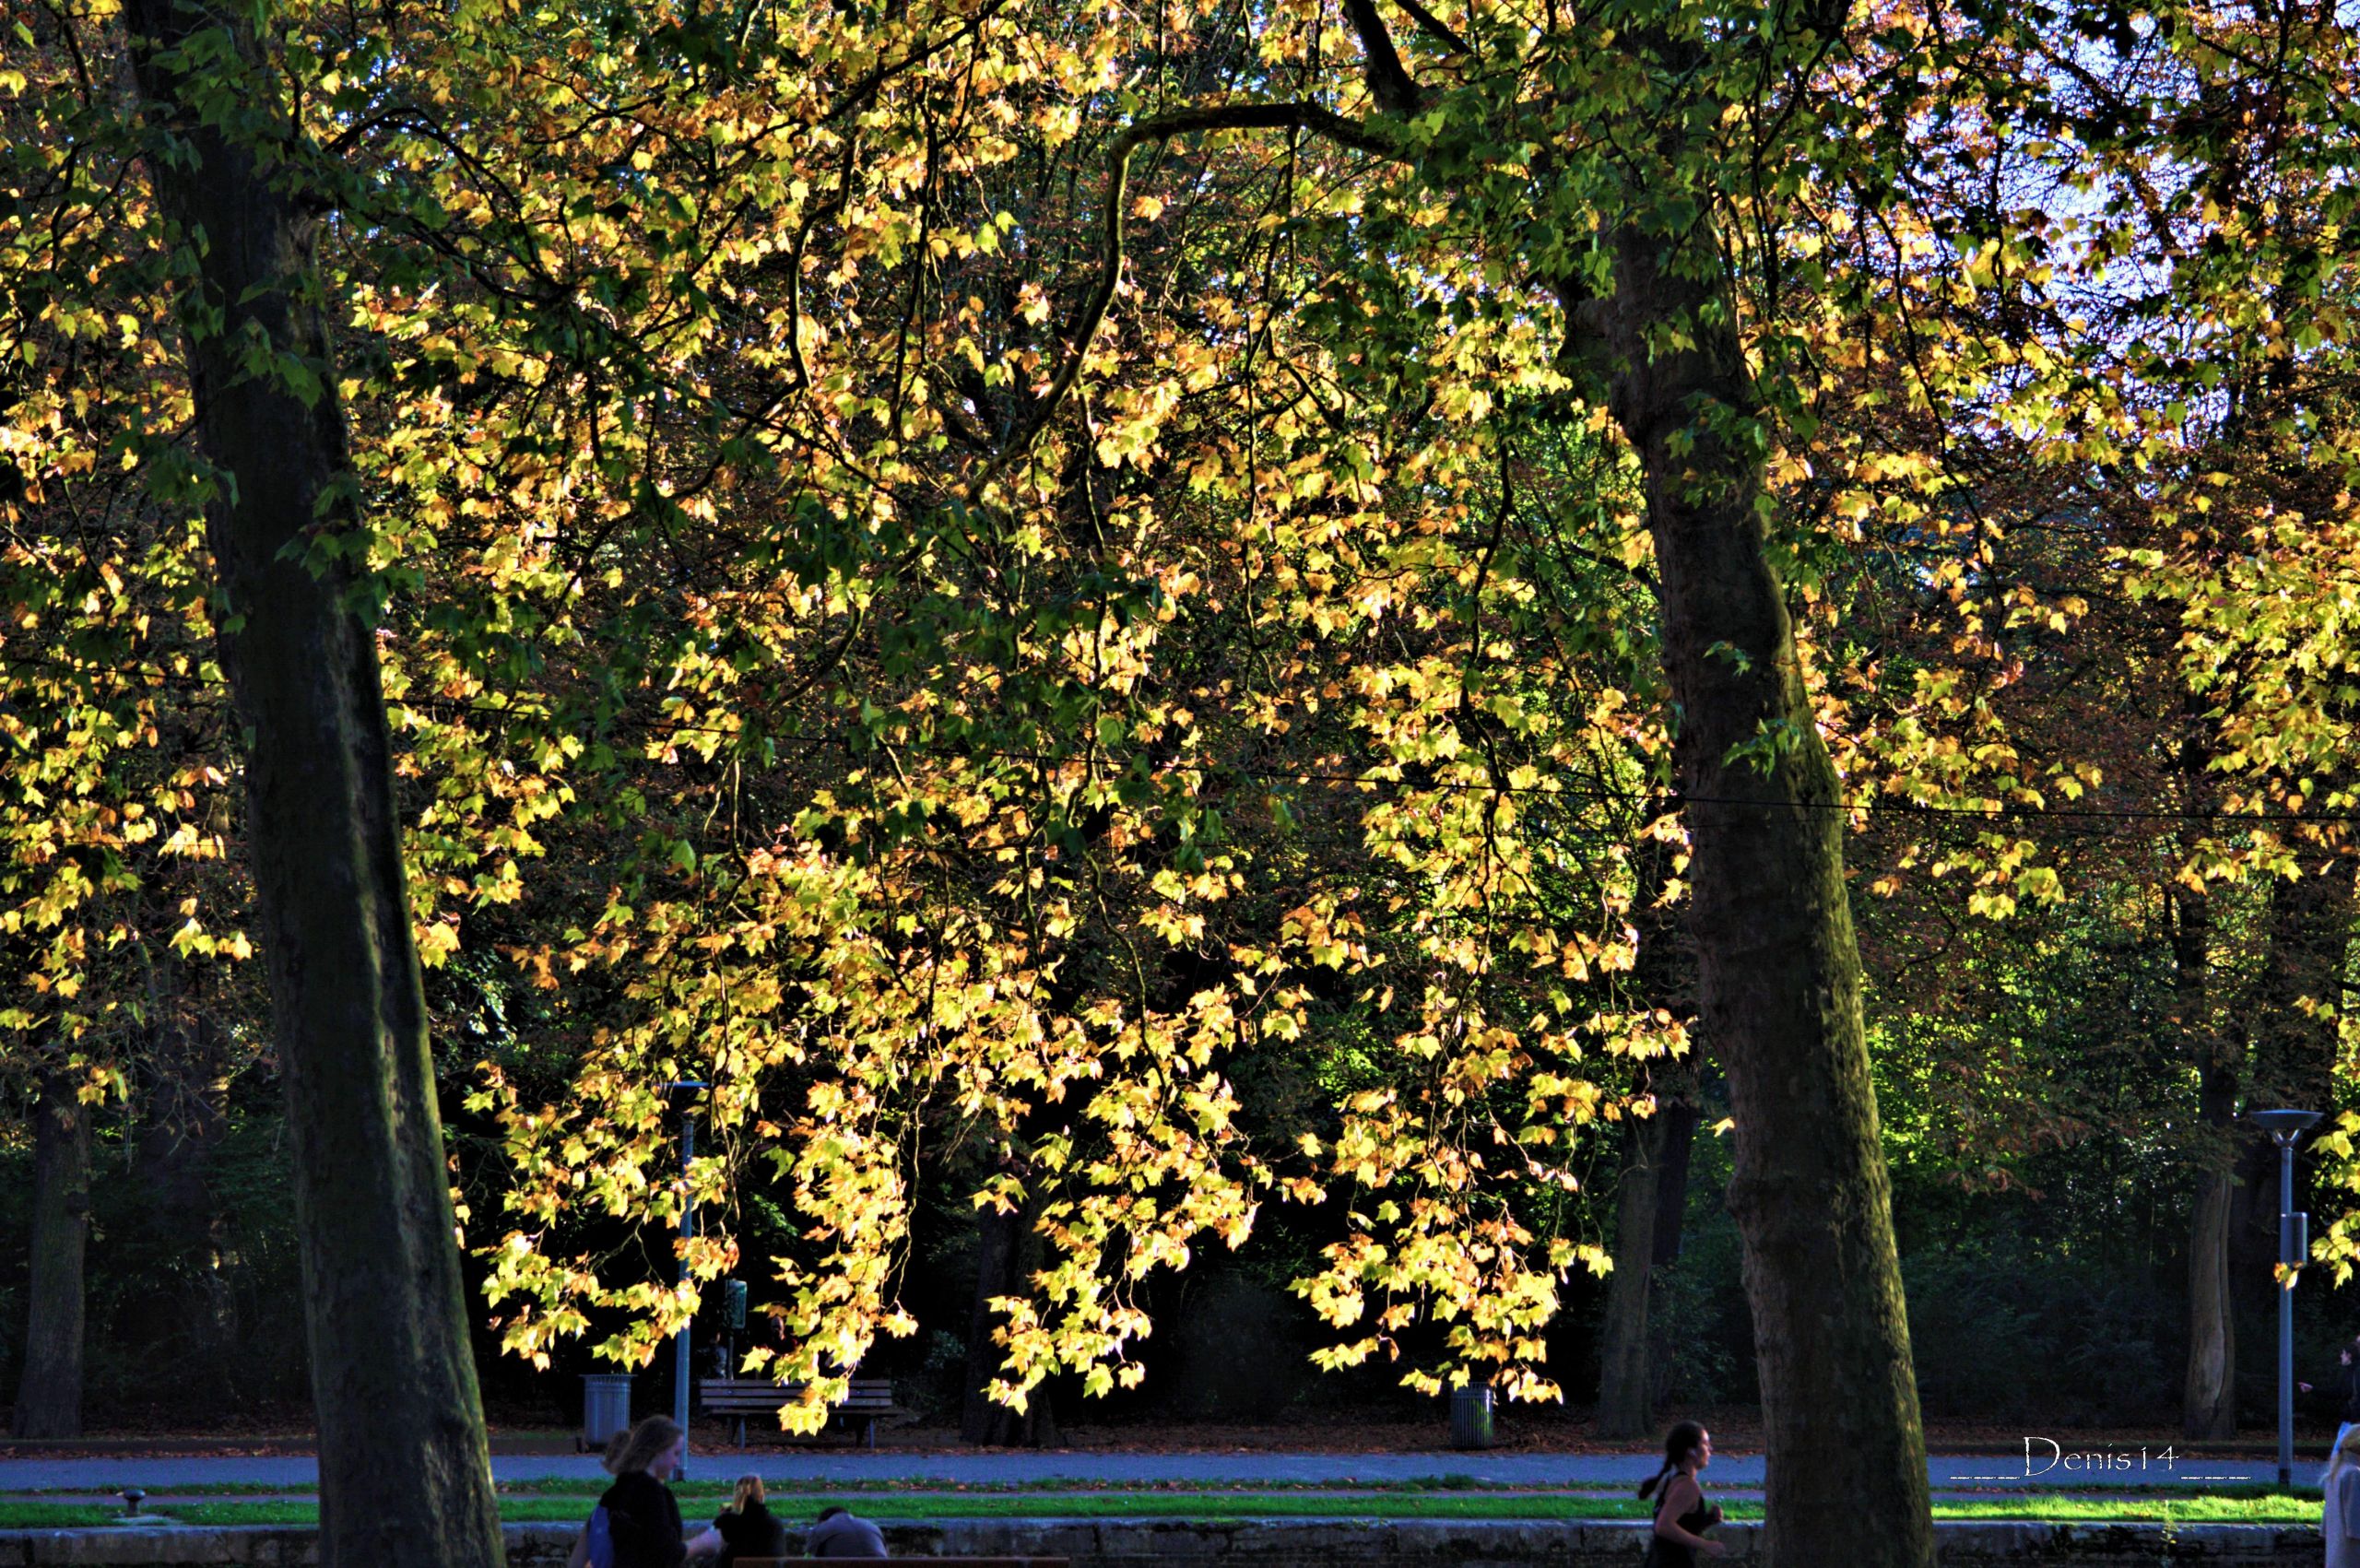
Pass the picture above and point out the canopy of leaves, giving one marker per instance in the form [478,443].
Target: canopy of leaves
[953,570]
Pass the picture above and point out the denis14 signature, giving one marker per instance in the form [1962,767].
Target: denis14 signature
[2043,1455]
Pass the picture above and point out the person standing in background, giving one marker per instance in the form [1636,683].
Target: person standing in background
[643,1517]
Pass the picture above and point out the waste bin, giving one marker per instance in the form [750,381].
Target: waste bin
[605,1408]
[1470,1417]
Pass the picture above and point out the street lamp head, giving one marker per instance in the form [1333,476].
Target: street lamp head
[680,1094]
[2283,1126]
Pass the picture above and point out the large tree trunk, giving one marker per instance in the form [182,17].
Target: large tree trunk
[49,1395]
[2250,1246]
[979,1419]
[1777,967]
[405,1473]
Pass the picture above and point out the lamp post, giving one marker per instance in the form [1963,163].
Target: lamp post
[682,1094]
[2293,1251]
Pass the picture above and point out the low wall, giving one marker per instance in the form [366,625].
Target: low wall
[1266,1543]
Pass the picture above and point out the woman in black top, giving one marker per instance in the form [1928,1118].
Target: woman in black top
[641,1514]
[748,1528]
[1681,1514]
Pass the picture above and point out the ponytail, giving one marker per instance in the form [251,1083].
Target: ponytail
[1684,1439]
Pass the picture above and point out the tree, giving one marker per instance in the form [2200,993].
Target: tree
[48,1389]
[1652,325]
[117,899]
[1649,1198]
[2230,191]
[1122,759]
[979,557]
[1008,561]
[1653,1188]
[389,1348]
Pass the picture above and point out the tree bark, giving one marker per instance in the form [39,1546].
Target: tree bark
[1671,1178]
[1008,1250]
[2209,1395]
[2209,1391]
[1655,1171]
[180,1121]
[2209,1385]
[49,1393]
[1777,965]
[405,1472]
[1625,1391]
[981,1420]
[2293,1017]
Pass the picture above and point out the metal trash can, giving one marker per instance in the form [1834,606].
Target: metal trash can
[1470,1417]
[605,1408]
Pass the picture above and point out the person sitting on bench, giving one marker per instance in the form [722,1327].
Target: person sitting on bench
[747,1528]
[843,1533]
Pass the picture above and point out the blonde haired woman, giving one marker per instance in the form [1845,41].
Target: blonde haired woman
[746,1528]
[641,1514]
[2340,1518]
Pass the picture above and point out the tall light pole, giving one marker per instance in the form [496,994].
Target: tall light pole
[682,1093]
[2293,1251]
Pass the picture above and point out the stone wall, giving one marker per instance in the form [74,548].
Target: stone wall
[1273,1543]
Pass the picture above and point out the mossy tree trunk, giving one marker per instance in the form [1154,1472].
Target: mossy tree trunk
[405,1473]
[1778,972]
[49,1391]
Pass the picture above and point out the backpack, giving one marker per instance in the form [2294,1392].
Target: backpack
[600,1534]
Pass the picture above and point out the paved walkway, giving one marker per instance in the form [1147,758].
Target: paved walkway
[2112,1470]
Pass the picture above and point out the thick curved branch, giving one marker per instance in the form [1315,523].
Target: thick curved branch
[1093,314]
[1388,79]
[1434,27]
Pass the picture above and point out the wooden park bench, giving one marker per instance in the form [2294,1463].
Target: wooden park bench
[738,1397]
[918,1561]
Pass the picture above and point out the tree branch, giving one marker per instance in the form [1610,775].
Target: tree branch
[1163,127]
[1434,27]
[1388,81]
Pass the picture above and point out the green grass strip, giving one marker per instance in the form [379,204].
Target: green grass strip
[55,1516]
